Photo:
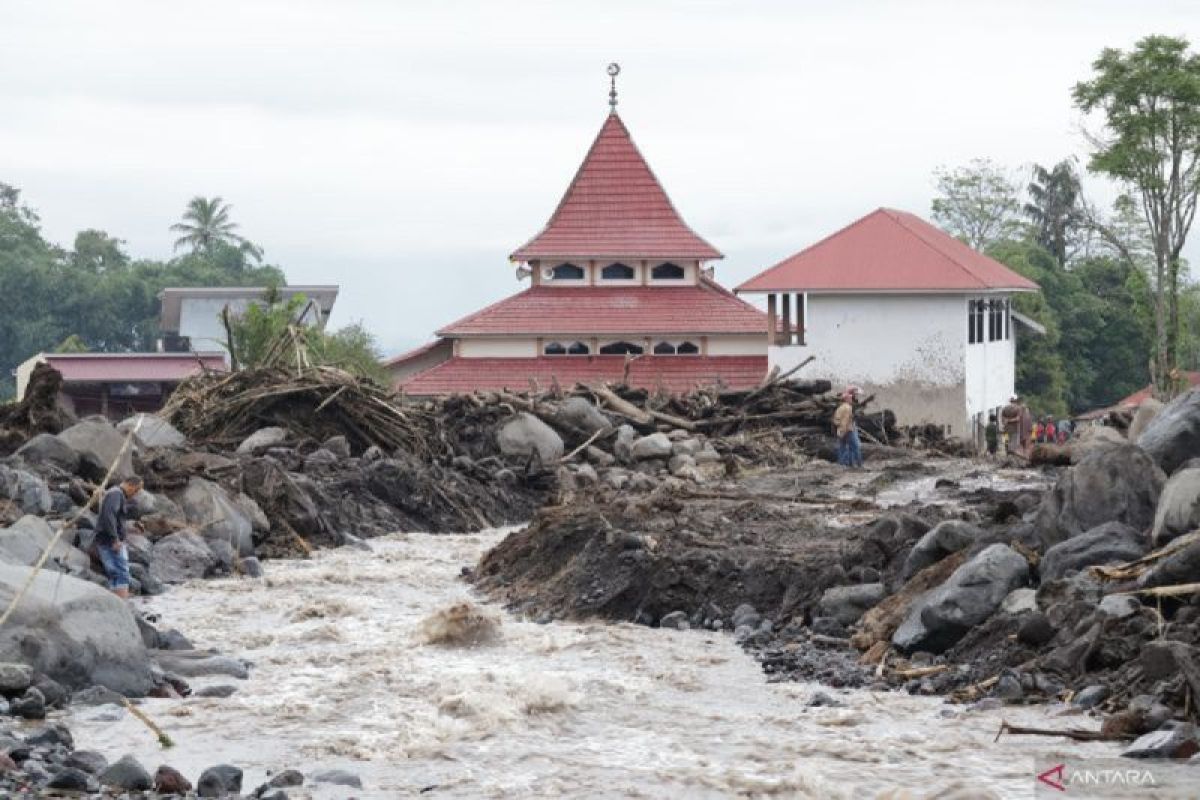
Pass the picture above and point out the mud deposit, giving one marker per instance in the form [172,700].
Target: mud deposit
[595,710]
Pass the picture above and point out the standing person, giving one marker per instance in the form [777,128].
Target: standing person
[991,435]
[1010,423]
[1026,429]
[1037,431]
[849,447]
[1049,433]
[110,533]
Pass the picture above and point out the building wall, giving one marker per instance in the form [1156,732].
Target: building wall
[730,345]
[430,358]
[906,349]
[990,377]
[24,370]
[514,347]
[498,348]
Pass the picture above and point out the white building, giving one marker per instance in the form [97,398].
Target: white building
[191,317]
[903,310]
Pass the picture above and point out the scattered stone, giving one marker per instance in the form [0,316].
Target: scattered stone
[1110,543]
[578,412]
[1008,688]
[221,691]
[51,735]
[942,540]
[30,705]
[89,761]
[15,678]
[181,556]
[1115,484]
[823,700]
[338,445]
[219,781]
[262,439]
[1090,697]
[338,777]
[98,443]
[71,780]
[128,774]
[847,604]
[526,435]
[97,696]
[47,450]
[1120,606]
[287,779]
[198,664]
[152,431]
[677,620]
[1146,411]
[251,567]
[168,780]
[656,445]
[1173,436]
[1178,742]
[216,516]
[318,460]
[1178,507]
[1020,601]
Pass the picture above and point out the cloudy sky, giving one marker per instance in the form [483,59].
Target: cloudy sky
[403,149]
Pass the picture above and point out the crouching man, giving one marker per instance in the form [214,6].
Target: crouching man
[110,533]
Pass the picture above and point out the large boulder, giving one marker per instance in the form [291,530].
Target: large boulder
[26,490]
[98,445]
[1143,416]
[74,631]
[945,538]
[152,431]
[1173,436]
[971,595]
[1112,484]
[47,450]
[1182,565]
[181,556]
[1178,507]
[1110,543]
[847,604]
[23,543]
[525,435]
[217,516]
[656,445]
[262,439]
[578,412]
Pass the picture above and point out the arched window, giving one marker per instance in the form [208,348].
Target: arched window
[621,349]
[687,349]
[617,272]
[667,272]
[554,349]
[664,349]
[578,349]
[566,272]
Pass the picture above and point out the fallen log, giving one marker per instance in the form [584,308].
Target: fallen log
[1070,733]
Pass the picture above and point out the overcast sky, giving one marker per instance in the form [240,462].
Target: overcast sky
[403,149]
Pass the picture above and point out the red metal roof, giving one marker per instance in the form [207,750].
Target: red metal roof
[888,251]
[616,207]
[677,374]
[1134,400]
[706,308]
[133,367]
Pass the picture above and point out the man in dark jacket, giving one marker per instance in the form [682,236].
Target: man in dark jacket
[110,533]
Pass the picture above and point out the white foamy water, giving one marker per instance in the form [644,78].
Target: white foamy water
[342,679]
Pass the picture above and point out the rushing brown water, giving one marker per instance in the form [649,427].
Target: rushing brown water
[353,670]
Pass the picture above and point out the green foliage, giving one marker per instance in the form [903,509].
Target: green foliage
[206,225]
[94,291]
[72,344]
[254,332]
[1053,207]
[978,203]
[353,349]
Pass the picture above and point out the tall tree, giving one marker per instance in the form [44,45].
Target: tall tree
[979,203]
[206,224]
[1053,207]
[1150,102]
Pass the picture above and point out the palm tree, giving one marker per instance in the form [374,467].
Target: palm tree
[1055,207]
[206,223]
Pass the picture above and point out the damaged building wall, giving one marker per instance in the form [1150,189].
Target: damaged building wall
[907,349]
[990,377]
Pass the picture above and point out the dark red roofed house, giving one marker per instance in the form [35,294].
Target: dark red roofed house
[903,310]
[615,275]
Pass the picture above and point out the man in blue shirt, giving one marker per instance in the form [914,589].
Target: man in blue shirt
[110,533]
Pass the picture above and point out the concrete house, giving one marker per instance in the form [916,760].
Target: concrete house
[898,307]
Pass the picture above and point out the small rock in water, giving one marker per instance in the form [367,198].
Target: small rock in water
[338,777]
[1008,688]
[677,620]
[219,781]
[127,774]
[828,626]
[251,567]
[273,794]
[287,779]
[168,780]
[1090,697]
[96,696]
[823,700]
[89,761]
[31,705]
[462,624]
[221,690]
[71,780]
[15,678]
[1182,741]
[52,735]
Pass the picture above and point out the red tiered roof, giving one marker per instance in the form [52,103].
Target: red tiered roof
[615,207]
[888,251]
[677,374]
[624,310]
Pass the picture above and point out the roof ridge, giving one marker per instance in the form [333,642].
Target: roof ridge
[895,216]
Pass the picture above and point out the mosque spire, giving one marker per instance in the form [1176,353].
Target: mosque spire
[614,69]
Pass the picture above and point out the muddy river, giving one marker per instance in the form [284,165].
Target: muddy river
[342,679]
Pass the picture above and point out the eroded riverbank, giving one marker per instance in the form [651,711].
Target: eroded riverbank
[561,709]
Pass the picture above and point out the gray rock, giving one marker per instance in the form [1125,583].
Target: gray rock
[15,678]
[97,696]
[586,474]
[1110,543]
[152,431]
[656,445]
[253,511]
[599,457]
[30,705]
[287,779]
[526,435]
[219,781]
[250,567]
[1142,417]
[318,460]
[681,465]
[181,556]
[23,543]
[676,620]
[745,614]
[262,439]
[1008,688]
[1090,697]
[26,490]
[577,412]
[126,773]
[98,444]
[623,447]
[372,454]
[220,691]
[944,539]
[216,516]
[1178,507]
[224,555]
[1020,601]
[76,632]
[707,455]
[89,761]
[823,700]
[1117,484]
[338,445]
[686,447]
[971,595]
[47,450]
[1092,438]
[1173,436]
[1180,741]
[338,777]
[1120,606]
[70,779]
[170,781]
[197,664]
[847,604]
